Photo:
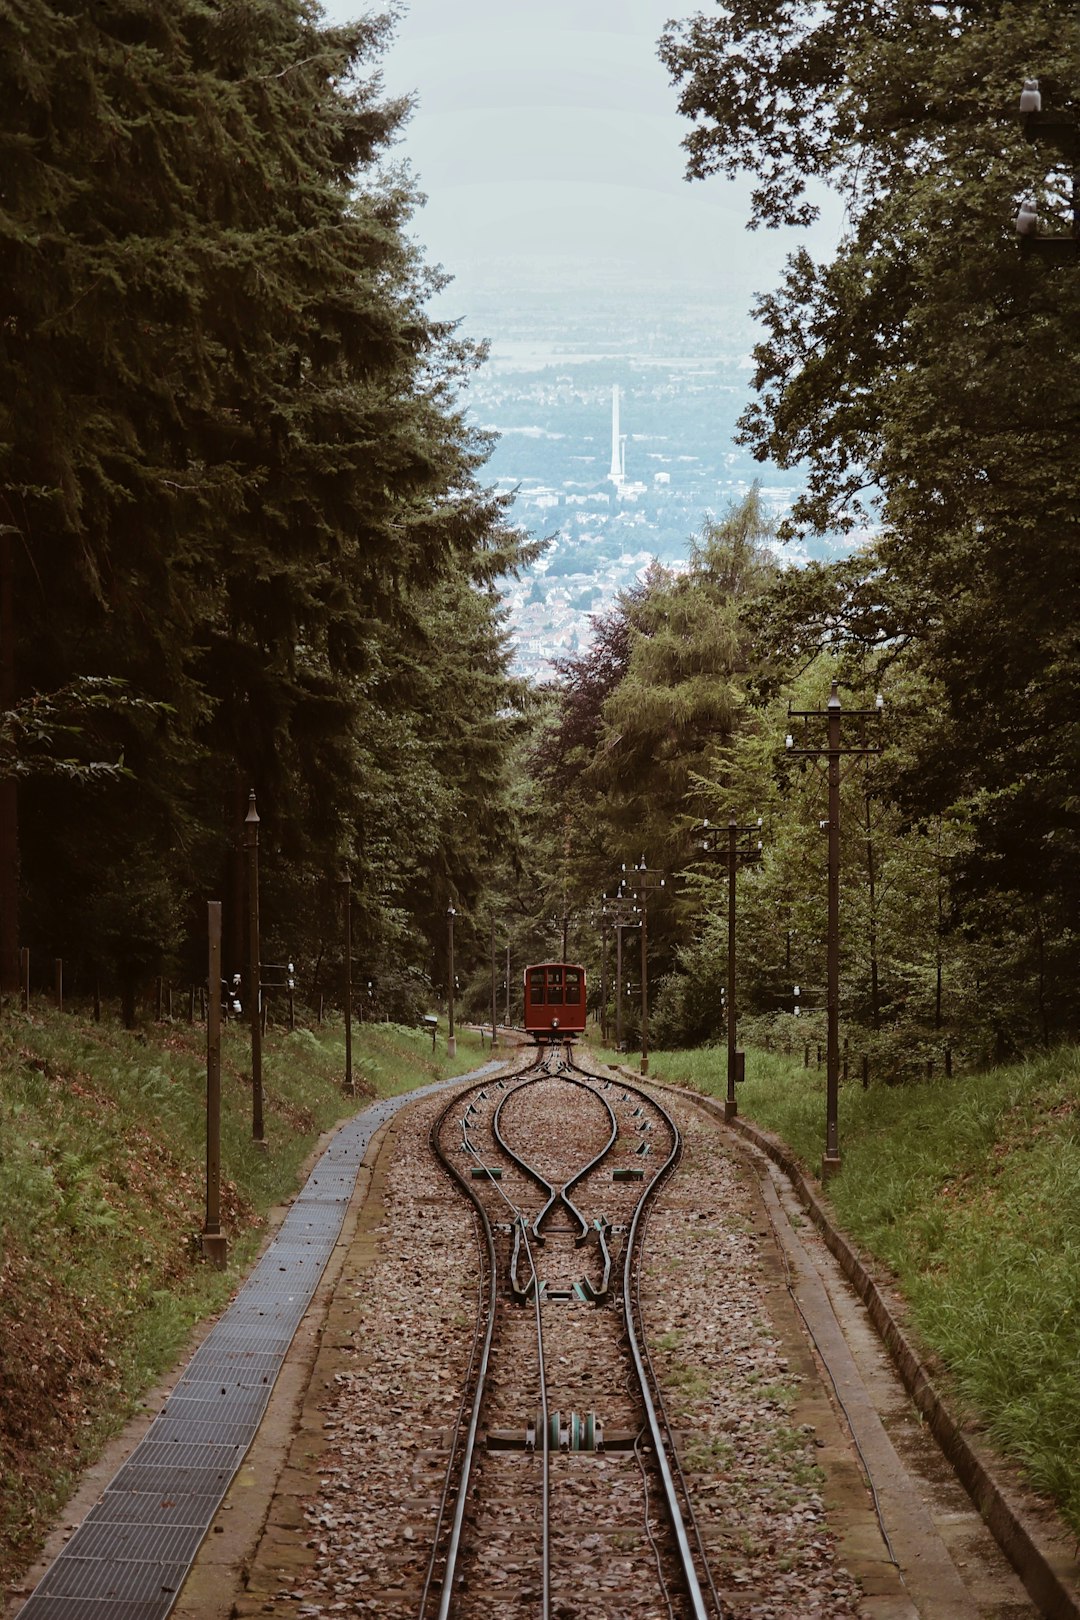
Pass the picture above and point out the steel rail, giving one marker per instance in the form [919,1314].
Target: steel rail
[477,1383]
[673,1448]
[545,1503]
[526,1169]
[454,1544]
[557,1195]
[646,1377]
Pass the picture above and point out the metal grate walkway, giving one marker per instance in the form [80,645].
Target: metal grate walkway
[129,1557]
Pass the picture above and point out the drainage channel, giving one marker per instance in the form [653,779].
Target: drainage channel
[131,1554]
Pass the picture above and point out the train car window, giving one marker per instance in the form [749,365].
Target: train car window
[555,987]
[573,987]
[536,985]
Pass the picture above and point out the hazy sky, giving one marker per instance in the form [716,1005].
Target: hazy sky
[549,128]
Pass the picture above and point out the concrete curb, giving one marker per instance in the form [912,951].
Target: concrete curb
[1052,1587]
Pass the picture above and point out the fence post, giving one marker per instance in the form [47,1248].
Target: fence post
[865,1072]
[24,976]
[948,1063]
[58,967]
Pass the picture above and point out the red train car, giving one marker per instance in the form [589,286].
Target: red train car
[554,998]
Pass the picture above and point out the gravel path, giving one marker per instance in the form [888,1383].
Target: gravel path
[753,1472]
[388,1416]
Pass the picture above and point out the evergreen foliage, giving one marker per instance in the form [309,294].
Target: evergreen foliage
[925,377]
[238,479]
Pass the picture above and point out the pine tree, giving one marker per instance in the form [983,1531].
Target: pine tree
[233,453]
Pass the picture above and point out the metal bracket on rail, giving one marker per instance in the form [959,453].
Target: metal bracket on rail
[584,1288]
[580,1432]
[559,1197]
[520,1295]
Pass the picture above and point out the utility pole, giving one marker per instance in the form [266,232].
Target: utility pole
[649,878]
[214,1243]
[603,974]
[494,991]
[739,848]
[254,988]
[871,877]
[623,912]
[349,1087]
[832,753]
[1059,129]
[9,791]
[451,1038]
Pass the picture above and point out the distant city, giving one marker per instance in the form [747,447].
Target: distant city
[565,373]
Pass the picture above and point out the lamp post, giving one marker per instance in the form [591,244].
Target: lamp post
[648,877]
[832,753]
[349,1086]
[738,848]
[451,1038]
[254,986]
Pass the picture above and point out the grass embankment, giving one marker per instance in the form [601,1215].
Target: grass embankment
[969,1191]
[102,1195]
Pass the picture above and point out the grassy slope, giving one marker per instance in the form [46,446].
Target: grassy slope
[969,1191]
[102,1161]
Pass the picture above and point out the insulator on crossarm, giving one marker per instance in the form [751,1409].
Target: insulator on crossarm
[1031,97]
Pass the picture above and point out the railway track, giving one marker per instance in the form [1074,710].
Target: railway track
[562,1432]
[519,1279]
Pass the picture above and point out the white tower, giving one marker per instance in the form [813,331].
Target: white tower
[617,473]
